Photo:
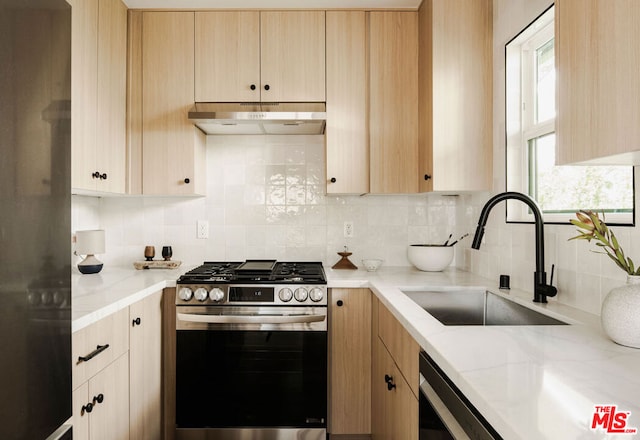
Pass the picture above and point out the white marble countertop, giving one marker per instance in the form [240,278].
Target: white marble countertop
[529,382]
[114,288]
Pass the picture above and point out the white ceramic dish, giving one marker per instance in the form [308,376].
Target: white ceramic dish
[372,264]
[430,257]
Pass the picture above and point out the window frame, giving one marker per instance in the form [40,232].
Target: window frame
[523,128]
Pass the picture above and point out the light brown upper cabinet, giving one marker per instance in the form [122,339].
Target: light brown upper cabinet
[98,93]
[167,152]
[598,91]
[393,102]
[270,56]
[346,134]
[455,111]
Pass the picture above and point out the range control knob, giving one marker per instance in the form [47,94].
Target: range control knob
[216,294]
[316,294]
[185,294]
[201,294]
[301,294]
[285,294]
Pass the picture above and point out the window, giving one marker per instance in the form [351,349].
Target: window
[560,191]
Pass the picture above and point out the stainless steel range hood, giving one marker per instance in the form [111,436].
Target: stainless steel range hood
[259,118]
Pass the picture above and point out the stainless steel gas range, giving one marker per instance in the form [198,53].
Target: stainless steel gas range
[251,351]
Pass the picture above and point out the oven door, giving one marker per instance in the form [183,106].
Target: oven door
[234,372]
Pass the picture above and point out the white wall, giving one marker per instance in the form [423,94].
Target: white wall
[266,200]
[583,277]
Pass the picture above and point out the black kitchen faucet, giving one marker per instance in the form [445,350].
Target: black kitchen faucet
[541,290]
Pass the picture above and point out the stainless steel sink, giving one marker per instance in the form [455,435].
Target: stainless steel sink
[476,307]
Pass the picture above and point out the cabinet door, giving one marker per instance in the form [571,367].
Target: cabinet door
[107,393]
[456,100]
[393,96]
[98,93]
[112,88]
[80,416]
[350,361]
[403,348]
[145,360]
[172,148]
[346,136]
[109,419]
[597,64]
[396,410]
[380,415]
[84,92]
[292,56]
[227,56]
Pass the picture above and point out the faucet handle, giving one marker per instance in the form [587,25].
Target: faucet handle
[549,289]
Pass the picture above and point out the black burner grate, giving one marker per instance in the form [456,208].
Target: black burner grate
[256,271]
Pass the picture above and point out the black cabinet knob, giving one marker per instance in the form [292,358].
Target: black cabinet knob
[95,174]
[99,398]
[252,86]
[389,380]
[339,303]
[135,322]
[187,180]
[333,180]
[86,408]
[267,87]
[103,176]
[427,176]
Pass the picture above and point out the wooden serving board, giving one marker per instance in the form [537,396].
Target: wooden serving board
[157,264]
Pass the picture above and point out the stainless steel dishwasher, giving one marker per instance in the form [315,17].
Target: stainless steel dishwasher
[445,413]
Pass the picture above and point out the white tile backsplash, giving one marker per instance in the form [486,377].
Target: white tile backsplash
[266,199]
[276,210]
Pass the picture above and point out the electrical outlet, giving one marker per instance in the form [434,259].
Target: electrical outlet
[348,229]
[202,229]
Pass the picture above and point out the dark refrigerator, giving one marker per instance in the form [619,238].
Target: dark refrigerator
[35,217]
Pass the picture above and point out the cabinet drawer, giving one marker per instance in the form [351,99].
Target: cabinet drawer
[402,347]
[96,346]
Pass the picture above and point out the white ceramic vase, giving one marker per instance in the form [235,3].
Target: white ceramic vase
[620,313]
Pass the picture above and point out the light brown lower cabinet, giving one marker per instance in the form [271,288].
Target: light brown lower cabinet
[394,410]
[349,361]
[396,407]
[101,404]
[145,374]
[117,385]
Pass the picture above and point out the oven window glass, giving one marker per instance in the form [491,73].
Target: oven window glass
[228,379]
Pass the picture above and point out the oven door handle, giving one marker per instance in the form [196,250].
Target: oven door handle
[251,319]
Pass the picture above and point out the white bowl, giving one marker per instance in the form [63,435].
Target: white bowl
[430,257]
[372,264]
